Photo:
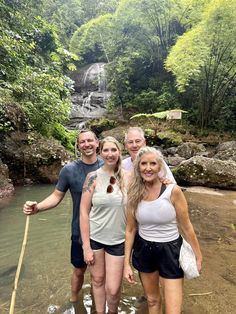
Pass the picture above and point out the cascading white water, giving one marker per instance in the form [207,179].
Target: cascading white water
[90,102]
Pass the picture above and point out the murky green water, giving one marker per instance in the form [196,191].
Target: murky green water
[44,285]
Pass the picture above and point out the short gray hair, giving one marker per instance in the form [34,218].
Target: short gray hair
[136,129]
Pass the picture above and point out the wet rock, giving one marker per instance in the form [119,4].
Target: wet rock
[190,149]
[6,186]
[174,160]
[208,172]
[90,96]
[31,157]
[171,151]
[226,145]
[226,151]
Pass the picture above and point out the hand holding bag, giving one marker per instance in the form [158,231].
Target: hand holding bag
[187,260]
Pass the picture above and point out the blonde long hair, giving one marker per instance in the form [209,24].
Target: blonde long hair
[136,188]
[118,170]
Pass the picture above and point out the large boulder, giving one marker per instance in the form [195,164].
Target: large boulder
[173,161]
[226,151]
[6,186]
[190,149]
[32,158]
[208,172]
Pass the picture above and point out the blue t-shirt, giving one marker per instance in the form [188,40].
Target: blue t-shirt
[72,177]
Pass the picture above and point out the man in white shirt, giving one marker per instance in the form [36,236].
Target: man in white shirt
[134,140]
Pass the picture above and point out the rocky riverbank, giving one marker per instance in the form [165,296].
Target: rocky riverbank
[28,158]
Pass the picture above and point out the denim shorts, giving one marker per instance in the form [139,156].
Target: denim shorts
[116,250]
[163,257]
[76,253]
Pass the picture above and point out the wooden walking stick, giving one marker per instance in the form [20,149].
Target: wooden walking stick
[13,297]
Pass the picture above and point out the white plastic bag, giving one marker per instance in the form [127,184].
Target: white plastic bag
[187,261]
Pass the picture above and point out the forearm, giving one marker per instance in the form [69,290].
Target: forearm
[50,202]
[85,231]
[129,242]
[191,238]
[32,207]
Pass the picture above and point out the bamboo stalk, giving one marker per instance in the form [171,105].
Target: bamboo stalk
[13,297]
[200,294]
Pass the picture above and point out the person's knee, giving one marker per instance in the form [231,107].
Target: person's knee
[154,301]
[98,281]
[113,293]
[79,272]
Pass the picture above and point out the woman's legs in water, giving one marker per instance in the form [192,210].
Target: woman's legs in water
[114,274]
[77,280]
[97,271]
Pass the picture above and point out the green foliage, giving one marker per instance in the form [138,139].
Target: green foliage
[12,117]
[67,138]
[101,124]
[135,48]
[5,125]
[95,8]
[44,98]
[169,138]
[32,65]
[158,115]
[144,43]
[187,60]
[87,41]
[162,138]
[67,16]
[152,101]
[204,60]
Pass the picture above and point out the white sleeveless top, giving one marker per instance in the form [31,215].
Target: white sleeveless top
[157,219]
[107,216]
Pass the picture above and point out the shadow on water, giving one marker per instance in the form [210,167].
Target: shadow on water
[7,276]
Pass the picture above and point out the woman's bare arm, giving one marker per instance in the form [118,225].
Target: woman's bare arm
[85,206]
[179,201]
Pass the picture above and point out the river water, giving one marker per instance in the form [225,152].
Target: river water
[44,285]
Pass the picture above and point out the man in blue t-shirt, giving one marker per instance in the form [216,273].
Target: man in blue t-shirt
[72,177]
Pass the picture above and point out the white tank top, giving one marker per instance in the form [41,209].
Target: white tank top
[157,219]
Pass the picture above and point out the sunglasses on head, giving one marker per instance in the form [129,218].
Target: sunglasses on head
[110,188]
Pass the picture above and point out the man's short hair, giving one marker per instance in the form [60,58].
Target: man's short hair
[136,129]
[87,131]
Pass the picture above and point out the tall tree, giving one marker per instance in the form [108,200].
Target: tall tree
[32,64]
[204,60]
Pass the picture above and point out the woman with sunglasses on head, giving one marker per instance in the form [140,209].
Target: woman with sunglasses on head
[156,210]
[102,223]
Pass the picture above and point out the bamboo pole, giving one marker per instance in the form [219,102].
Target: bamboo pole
[13,297]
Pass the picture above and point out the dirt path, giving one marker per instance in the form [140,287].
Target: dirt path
[213,214]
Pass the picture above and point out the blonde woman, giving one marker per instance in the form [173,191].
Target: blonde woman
[156,210]
[102,223]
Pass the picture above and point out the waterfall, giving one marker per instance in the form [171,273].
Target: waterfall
[90,97]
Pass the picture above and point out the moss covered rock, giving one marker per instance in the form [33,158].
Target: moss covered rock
[31,157]
[208,172]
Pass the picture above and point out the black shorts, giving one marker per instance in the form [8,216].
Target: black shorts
[76,253]
[116,250]
[158,256]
